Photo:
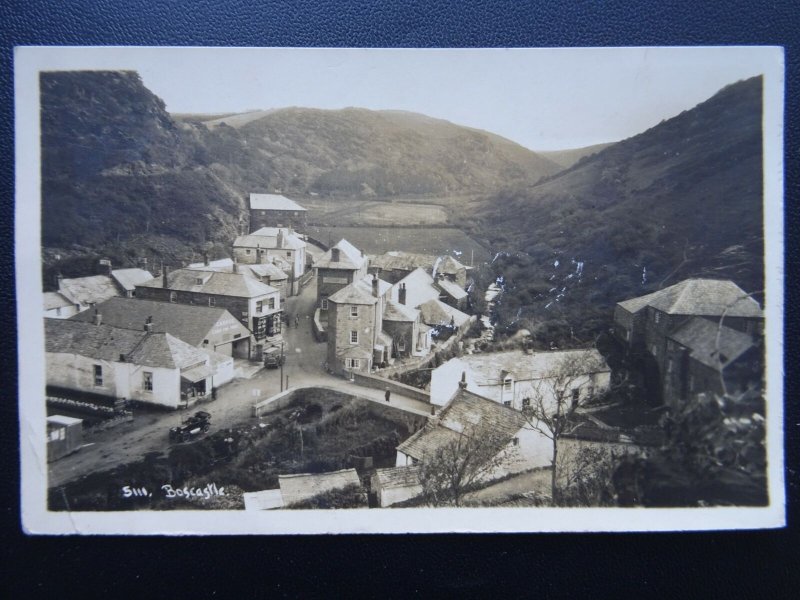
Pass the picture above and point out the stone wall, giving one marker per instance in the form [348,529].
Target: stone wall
[380,383]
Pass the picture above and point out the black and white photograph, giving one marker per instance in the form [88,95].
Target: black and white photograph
[399,290]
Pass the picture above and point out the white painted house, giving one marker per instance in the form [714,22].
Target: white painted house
[516,378]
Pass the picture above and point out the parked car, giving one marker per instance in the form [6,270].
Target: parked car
[195,425]
[273,357]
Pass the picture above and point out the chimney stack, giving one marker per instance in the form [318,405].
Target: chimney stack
[375,285]
[235,265]
[401,293]
[463,383]
[280,238]
[164,273]
[98,318]
[334,254]
[59,279]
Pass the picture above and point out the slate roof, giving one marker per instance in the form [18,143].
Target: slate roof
[55,300]
[466,414]
[128,279]
[302,486]
[436,312]
[267,238]
[452,289]
[189,323]
[63,420]
[360,292]
[449,265]
[88,290]
[419,288]
[397,477]
[399,312]
[273,202]
[700,337]
[213,282]
[402,261]
[701,297]
[104,342]
[350,257]
[257,271]
[488,366]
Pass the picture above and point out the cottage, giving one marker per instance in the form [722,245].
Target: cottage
[85,292]
[272,273]
[57,306]
[97,359]
[396,484]
[395,265]
[518,447]
[204,327]
[275,210]
[263,500]
[255,304]
[340,266]
[128,279]
[516,378]
[64,436]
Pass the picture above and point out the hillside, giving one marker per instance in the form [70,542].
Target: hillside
[566,158]
[122,178]
[359,152]
[681,199]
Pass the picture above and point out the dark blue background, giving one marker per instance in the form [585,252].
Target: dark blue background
[755,564]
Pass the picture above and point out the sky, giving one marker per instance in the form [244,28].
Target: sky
[543,99]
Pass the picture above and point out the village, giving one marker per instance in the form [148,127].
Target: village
[287,334]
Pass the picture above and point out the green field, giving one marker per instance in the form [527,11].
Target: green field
[425,240]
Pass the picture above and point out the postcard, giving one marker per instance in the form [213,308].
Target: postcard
[311,291]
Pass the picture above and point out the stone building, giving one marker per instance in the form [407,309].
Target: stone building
[256,305]
[275,210]
[340,266]
[268,244]
[645,324]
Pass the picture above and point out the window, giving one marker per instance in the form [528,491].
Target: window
[658,317]
[526,402]
[205,342]
[212,301]
[401,345]
[354,337]
[271,303]
[98,375]
[288,255]
[173,297]
[353,311]
[324,304]
[236,337]
[247,251]
[507,403]
[576,394]
[148,381]
[58,310]
[353,363]
[259,306]
[507,384]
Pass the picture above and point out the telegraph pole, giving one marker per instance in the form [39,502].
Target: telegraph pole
[281,365]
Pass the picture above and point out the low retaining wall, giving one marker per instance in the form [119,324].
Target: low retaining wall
[380,383]
[319,331]
[274,403]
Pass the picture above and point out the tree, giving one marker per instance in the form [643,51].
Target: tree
[455,467]
[559,393]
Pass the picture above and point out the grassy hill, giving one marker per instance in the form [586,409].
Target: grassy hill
[681,199]
[366,153]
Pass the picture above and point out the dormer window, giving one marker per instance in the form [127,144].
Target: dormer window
[507,382]
[198,280]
